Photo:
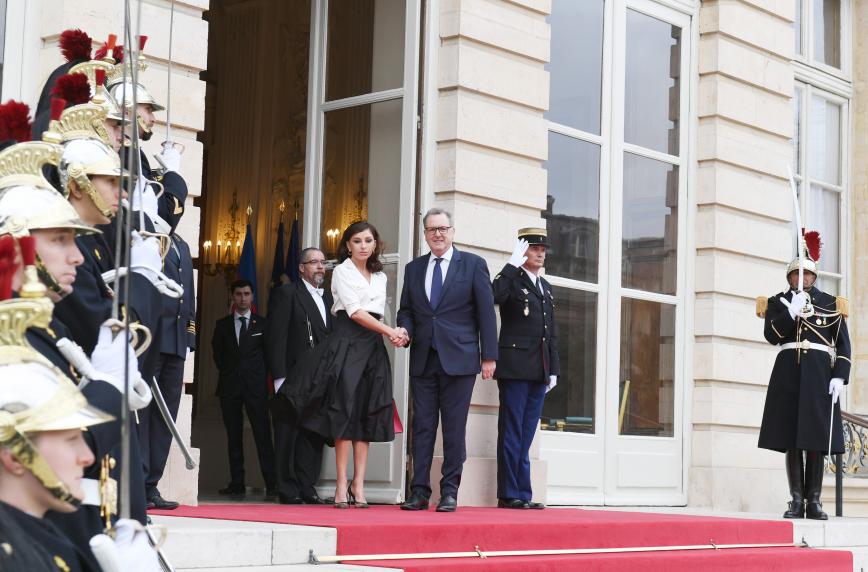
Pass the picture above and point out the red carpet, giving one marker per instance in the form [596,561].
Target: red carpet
[386,529]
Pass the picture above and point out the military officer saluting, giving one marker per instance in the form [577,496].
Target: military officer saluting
[812,367]
[528,366]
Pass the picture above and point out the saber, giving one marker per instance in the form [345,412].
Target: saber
[169,78]
[831,419]
[170,423]
[797,218]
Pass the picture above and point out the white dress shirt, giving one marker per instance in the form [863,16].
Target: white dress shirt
[535,279]
[316,294]
[238,324]
[352,292]
[444,267]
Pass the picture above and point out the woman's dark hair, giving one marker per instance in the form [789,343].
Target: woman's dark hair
[373,264]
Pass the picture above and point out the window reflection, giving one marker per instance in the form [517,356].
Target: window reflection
[650,225]
[827,32]
[646,390]
[365,51]
[576,63]
[824,132]
[824,214]
[570,405]
[361,172]
[653,83]
[573,209]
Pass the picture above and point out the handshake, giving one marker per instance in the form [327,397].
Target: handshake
[399,337]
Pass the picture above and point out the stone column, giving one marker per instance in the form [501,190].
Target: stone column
[743,240]
[492,141]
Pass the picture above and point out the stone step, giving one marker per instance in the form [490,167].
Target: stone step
[195,543]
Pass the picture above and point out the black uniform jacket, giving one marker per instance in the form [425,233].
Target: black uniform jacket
[527,344]
[295,326]
[798,403]
[242,366]
[36,545]
[178,328]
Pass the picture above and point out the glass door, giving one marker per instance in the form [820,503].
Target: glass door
[360,164]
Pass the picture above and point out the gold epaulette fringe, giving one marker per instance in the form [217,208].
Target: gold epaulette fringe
[842,306]
[762,304]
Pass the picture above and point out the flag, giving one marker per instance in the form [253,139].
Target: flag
[278,269]
[247,263]
[293,254]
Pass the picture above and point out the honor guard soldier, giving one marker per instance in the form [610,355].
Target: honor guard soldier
[528,366]
[812,366]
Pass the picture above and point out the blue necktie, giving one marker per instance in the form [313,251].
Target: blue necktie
[436,283]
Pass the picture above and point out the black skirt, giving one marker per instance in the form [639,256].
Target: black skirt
[344,388]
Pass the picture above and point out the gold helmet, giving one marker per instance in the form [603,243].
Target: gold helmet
[82,159]
[35,396]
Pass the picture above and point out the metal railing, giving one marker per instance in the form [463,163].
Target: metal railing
[852,463]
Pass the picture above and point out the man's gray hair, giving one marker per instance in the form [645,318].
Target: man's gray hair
[304,253]
[437,211]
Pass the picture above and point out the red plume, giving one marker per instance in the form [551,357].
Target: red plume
[7,266]
[142,41]
[814,244]
[57,106]
[75,45]
[28,250]
[15,121]
[73,87]
[100,77]
[118,54]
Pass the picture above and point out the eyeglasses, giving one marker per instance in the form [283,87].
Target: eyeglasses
[432,230]
[315,262]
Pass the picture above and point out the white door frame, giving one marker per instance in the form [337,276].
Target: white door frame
[391,489]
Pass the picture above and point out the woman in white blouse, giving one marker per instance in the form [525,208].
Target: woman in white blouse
[352,372]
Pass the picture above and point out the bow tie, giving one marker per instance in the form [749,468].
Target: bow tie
[318,291]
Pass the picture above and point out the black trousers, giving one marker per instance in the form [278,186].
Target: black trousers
[154,434]
[438,395]
[233,420]
[298,454]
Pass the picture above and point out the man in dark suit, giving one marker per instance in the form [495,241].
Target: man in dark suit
[528,366]
[239,351]
[299,319]
[447,310]
[177,335]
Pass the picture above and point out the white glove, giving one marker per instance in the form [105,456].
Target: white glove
[108,363]
[835,387]
[518,258]
[278,382]
[145,256]
[144,198]
[796,304]
[130,551]
[553,381]
[171,158]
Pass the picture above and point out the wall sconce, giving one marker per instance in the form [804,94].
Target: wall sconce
[333,235]
[224,260]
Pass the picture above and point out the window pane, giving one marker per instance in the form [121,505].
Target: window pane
[573,211]
[646,390]
[797,28]
[797,128]
[652,84]
[650,225]
[365,47]
[827,32]
[824,145]
[576,63]
[824,216]
[362,172]
[829,285]
[570,405]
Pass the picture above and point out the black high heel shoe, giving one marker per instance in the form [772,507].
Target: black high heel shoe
[352,499]
[343,504]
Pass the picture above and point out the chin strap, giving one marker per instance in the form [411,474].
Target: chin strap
[48,279]
[77,174]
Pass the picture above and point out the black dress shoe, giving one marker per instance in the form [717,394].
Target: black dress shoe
[233,490]
[512,503]
[158,502]
[447,504]
[271,492]
[312,499]
[535,505]
[289,500]
[415,502]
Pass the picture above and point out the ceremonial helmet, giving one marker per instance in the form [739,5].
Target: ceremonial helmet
[124,90]
[35,396]
[810,244]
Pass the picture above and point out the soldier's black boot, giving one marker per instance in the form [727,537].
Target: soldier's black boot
[814,467]
[795,476]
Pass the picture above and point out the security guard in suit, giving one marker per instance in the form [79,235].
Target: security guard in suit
[813,365]
[528,366]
